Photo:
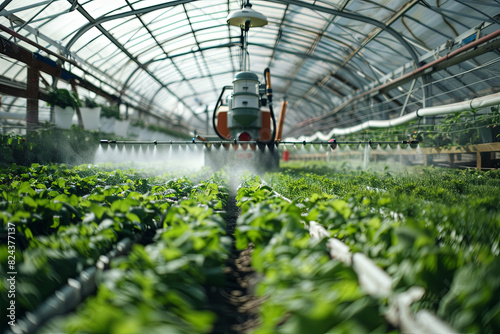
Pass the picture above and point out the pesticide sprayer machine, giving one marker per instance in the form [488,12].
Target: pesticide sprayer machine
[246,130]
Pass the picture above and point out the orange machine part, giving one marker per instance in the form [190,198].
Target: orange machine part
[265,132]
[286,155]
[222,124]
[281,122]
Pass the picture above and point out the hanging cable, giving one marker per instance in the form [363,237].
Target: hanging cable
[269,91]
[214,116]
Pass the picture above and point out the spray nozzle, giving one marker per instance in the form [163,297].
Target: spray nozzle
[333,144]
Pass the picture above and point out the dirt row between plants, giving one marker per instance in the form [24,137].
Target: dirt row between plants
[236,304]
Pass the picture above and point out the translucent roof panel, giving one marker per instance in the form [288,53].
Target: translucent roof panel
[174,56]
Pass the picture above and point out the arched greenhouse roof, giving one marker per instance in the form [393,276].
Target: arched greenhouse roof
[336,63]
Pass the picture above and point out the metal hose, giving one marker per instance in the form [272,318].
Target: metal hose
[269,91]
[219,101]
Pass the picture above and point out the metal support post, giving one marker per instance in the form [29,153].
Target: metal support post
[32,88]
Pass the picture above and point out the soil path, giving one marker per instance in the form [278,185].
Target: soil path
[235,304]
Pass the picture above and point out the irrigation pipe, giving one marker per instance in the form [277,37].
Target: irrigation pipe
[69,296]
[436,64]
[476,103]
[376,282]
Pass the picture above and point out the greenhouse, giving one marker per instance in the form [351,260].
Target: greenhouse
[250,166]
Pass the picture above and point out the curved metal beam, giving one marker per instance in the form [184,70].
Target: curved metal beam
[229,71]
[172,39]
[228,45]
[127,53]
[146,64]
[352,16]
[139,11]
[355,17]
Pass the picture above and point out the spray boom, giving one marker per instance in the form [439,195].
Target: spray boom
[238,118]
[203,141]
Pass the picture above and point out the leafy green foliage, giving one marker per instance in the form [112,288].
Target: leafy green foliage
[456,129]
[90,103]
[48,146]
[63,98]
[161,286]
[66,219]
[472,303]
[110,111]
[304,290]
[423,228]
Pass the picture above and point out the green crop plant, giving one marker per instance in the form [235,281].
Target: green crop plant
[425,228]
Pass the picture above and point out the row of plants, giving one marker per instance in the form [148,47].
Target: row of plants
[67,101]
[464,128]
[65,219]
[299,180]
[304,290]
[42,198]
[49,146]
[162,286]
[456,129]
[427,227]
[421,231]
[64,98]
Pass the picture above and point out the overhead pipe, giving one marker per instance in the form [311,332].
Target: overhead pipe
[405,78]
[12,115]
[82,83]
[45,65]
[24,39]
[281,122]
[476,103]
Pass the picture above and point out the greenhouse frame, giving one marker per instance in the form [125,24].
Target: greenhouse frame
[250,166]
